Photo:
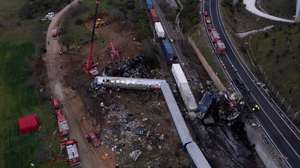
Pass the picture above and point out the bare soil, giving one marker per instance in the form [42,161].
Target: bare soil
[158,142]
[120,33]
[73,106]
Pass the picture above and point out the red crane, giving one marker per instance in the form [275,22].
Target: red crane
[89,65]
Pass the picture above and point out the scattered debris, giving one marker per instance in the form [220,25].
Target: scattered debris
[135,154]
[134,68]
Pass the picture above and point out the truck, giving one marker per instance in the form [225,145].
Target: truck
[205,13]
[215,36]
[160,32]
[168,50]
[93,139]
[56,32]
[153,15]
[149,4]
[184,88]
[204,104]
[55,104]
[220,47]
[208,20]
[63,127]
[71,147]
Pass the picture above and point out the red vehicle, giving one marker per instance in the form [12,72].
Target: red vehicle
[215,36]
[220,47]
[63,127]
[153,15]
[205,13]
[56,32]
[209,27]
[93,139]
[55,103]
[71,147]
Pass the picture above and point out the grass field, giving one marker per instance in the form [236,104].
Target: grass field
[18,97]
[277,53]
[282,8]
[240,20]
[75,32]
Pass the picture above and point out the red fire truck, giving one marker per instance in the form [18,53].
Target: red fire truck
[71,147]
[63,127]
[220,47]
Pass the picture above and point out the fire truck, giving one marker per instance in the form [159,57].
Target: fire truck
[215,36]
[63,127]
[220,47]
[71,147]
[55,103]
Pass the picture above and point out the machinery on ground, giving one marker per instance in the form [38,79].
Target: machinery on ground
[93,139]
[55,103]
[220,47]
[63,127]
[71,148]
[90,67]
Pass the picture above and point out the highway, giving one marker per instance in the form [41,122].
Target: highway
[283,133]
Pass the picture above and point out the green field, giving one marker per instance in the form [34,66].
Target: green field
[76,32]
[282,8]
[277,52]
[19,44]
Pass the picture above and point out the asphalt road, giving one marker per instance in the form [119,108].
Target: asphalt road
[279,128]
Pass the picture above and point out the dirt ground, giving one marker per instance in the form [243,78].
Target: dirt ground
[73,106]
[128,120]
[120,33]
[146,124]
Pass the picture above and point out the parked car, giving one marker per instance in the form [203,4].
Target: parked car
[93,139]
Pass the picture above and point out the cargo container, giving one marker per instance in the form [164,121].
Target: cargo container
[160,32]
[168,50]
[153,15]
[220,47]
[149,4]
[215,36]
[184,88]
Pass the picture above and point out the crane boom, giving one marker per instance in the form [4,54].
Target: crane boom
[89,64]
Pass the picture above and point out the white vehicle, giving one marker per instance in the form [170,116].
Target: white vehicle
[49,16]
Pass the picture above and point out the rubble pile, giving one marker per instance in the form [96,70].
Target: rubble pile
[222,108]
[134,68]
[131,135]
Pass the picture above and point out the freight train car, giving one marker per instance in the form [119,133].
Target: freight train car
[149,4]
[168,50]
[160,32]
[153,15]
[184,88]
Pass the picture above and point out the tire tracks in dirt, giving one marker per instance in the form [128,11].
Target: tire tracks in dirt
[74,108]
